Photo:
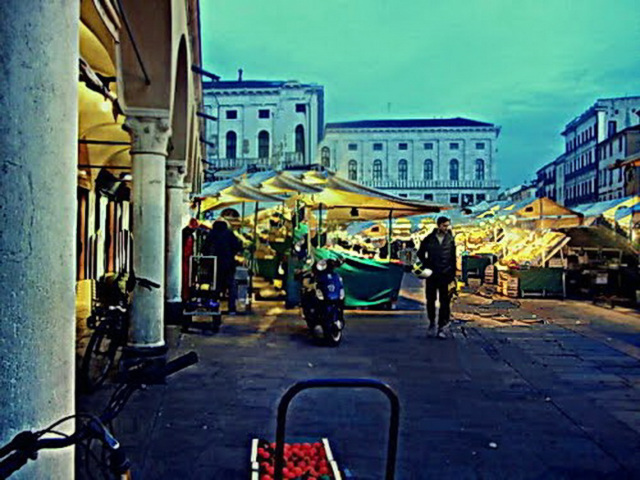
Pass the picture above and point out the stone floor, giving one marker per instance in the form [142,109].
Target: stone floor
[498,399]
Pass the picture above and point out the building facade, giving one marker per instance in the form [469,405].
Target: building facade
[582,136]
[442,160]
[613,182]
[262,123]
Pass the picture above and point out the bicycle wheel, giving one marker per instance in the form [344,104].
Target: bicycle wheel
[98,359]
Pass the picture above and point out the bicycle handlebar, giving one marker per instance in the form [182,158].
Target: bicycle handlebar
[25,445]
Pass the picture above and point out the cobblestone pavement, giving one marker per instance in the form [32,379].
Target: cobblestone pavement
[497,399]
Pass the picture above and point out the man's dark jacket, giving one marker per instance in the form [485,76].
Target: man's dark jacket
[222,243]
[439,257]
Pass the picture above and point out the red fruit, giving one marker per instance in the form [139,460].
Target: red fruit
[266,477]
[285,472]
[297,471]
[302,465]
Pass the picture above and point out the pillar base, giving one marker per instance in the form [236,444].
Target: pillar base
[140,363]
[173,313]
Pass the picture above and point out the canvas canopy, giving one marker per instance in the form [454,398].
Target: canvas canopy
[343,199]
[225,193]
[608,209]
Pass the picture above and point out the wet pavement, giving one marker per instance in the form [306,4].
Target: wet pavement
[515,395]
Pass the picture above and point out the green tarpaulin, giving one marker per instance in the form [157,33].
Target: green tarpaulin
[535,280]
[367,283]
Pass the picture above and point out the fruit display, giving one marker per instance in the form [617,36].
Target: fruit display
[302,461]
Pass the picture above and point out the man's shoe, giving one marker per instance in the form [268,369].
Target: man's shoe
[441,334]
[431,331]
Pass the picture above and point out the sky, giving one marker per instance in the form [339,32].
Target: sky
[529,66]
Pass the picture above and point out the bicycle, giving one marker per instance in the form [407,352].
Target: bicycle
[113,462]
[110,322]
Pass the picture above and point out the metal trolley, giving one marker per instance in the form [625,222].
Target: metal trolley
[203,301]
[336,472]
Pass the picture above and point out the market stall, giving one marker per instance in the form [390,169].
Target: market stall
[367,283]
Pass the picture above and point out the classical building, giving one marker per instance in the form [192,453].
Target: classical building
[613,152]
[449,160]
[262,123]
[582,136]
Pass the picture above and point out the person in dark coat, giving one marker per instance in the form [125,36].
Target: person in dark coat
[437,252]
[222,243]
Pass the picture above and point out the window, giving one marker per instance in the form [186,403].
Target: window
[480,146]
[232,114]
[263,144]
[402,170]
[428,169]
[479,169]
[480,197]
[300,148]
[454,170]
[611,128]
[454,146]
[352,147]
[325,157]
[428,196]
[263,113]
[620,144]
[353,170]
[428,146]
[301,108]
[377,170]
[377,147]
[454,199]
[403,195]
[619,174]
[232,143]
[403,146]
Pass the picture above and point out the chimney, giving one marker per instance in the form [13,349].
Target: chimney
[239,74]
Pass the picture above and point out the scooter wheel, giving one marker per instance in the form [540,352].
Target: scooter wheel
[333,337]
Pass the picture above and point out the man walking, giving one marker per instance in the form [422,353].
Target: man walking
[438,253]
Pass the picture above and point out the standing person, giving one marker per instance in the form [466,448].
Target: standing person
[222,243]
[438,253]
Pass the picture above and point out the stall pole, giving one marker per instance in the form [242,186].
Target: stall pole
[319,225]
[242,221]
[389,234]
[255,246]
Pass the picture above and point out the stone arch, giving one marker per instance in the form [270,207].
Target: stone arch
[153,35]
[180,107]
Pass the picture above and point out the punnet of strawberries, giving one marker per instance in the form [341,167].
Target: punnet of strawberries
[302,461]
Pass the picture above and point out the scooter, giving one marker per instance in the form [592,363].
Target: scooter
[322,300]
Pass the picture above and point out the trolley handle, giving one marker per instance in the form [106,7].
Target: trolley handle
[392,446]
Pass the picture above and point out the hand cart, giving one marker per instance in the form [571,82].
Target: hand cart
[203,301]
[269,459]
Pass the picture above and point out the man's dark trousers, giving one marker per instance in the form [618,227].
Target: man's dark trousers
[438,285]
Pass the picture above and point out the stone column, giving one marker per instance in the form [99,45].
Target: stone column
[175,209]
[38,134]
[150,136]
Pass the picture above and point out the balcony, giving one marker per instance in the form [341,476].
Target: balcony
[434,184]
[289,159]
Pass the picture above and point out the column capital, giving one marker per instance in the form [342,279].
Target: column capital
[176,170]
[148,134]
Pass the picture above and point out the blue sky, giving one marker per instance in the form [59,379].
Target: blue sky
[529,66]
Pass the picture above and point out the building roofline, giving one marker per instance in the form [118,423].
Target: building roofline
[255,84]
[593,108]
[408,123]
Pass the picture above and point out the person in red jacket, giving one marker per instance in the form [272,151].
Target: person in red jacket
[438,252]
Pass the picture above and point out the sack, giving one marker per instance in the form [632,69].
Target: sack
[421,271]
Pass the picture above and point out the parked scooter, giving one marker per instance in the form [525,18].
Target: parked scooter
[322,300]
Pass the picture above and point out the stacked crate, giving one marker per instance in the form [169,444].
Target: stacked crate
[508,285]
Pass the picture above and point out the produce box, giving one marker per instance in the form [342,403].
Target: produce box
[302,461]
